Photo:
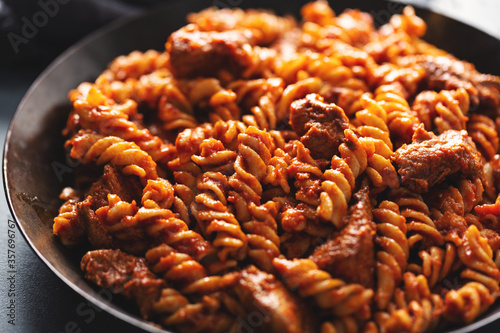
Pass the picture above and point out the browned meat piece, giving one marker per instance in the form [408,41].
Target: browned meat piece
[286,46]
[451,223]
[128,188]
[346,98]
[493,238]
[264,297]
[198,53]
[77,219]
[320,125]
[67,225]
[97,235]
[446,73]
[489,215]
[266,26]
[351,254]
[430,159]
[494,180]
[458,198]
[123,274]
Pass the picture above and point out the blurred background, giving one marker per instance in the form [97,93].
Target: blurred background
[38,30]
[32,34]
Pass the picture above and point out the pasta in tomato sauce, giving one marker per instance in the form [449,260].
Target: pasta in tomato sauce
[319,175]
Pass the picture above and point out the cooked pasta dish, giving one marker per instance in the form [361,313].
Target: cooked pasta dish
[269,174]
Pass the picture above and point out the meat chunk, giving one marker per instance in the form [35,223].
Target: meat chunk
[351,254]
[266,26]
[447,73]
[430,159]
[493,238]
[199,53]
[128,188]
[67,226]
[346,98]
[264,297]
[77,220]
[123,274]
[287,45]
[489,215]
[451,223]
[320,125]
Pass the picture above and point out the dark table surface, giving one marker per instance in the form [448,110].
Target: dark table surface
[43,303]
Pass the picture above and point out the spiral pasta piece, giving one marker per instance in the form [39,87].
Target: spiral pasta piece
[135,64]
[467,303]
[93,111]
[476,254]
[127,223]
[444,110]
[340,179]
[330,70]
[299,214]
[437,263]
[418,310]
[211,211]
[417,214]
[172,118]
[264,94]
[123,76]
[91,107]
[277,174]
[169,302]
[189,140]
[377,143]
[262,233]
[339,298]
[255,149]
[202,316]
[306,172]
[458,199]
[402,78]
[182,270]
[158,193]
[394,253]
[215,157]
[483,131]
[416,317]
[148,88]
[227,132]
[401,120]
[187,144]
[90,147]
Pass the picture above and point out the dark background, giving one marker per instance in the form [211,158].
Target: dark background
[43,302]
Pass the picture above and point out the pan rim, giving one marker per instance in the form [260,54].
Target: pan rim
[107,306]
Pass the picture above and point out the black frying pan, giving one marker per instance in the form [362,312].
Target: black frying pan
[35,168]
